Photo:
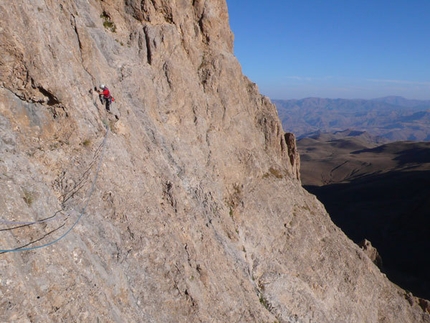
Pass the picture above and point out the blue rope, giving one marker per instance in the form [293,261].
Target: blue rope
[80,215]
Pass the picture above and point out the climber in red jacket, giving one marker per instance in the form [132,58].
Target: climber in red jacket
[105,96]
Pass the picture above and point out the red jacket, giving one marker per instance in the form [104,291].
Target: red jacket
[106,93]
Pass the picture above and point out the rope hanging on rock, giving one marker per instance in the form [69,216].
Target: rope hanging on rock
[81,213]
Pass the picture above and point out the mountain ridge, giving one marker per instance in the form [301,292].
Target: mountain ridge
[394,118]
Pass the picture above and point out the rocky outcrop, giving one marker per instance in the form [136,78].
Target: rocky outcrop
[424,304]
[186,209]
[293,153]
[371,252]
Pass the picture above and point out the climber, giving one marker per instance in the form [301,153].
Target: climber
[105,96]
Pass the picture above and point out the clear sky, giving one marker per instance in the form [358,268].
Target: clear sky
[364,49]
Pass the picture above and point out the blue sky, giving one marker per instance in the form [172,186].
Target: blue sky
[334,48]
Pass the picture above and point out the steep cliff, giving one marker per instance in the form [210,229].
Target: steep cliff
[184,205]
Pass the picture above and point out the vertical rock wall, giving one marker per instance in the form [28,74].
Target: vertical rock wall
[189,209]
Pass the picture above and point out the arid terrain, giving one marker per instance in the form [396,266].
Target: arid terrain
[379,192]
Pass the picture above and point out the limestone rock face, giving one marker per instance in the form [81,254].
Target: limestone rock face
[186,209]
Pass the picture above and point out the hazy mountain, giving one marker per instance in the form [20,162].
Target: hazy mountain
[376,192]
[403,102]
[393,118]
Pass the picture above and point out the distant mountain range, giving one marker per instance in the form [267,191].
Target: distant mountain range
[393,118]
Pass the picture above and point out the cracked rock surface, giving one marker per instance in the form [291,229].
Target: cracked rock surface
[189,208]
